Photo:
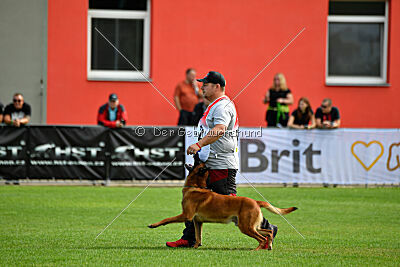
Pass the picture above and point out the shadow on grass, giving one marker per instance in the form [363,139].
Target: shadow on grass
[163,248]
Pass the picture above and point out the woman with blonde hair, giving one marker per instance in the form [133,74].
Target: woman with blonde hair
[279,97]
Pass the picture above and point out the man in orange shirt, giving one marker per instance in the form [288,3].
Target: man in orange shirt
[187,95]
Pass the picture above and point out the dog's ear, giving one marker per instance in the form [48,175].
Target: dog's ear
[189,167]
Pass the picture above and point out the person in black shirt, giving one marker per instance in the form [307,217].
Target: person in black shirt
[327,116]
[301,117]
[17,113]
[278,97]
[1,112]
[198,112]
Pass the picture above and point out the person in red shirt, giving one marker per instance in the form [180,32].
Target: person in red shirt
[187,95]
[112,114]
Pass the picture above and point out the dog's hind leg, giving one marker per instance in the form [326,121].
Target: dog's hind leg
[268,234]
[198,226]
[248,225]
[250,231]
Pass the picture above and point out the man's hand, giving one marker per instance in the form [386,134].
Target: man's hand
[16,123]
[119,124]
[193,149]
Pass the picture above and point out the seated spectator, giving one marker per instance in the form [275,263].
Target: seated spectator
[186,96]
[112,114]
[301,117]
[278,97]
[1,112]
[326,116]
[17,113]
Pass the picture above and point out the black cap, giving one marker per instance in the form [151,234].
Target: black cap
[113,97]
[213,77]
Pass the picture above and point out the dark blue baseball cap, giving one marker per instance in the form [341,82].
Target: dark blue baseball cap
[113,97]
[213,77]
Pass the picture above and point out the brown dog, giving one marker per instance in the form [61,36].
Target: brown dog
[202,205]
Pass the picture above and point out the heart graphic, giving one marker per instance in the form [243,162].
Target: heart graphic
[367,168]
[390,157]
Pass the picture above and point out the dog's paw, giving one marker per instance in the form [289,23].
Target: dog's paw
[151,226]
[197,245]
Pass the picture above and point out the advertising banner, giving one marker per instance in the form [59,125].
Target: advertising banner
[143,152]
[13,152]
[67,152]
[342,156]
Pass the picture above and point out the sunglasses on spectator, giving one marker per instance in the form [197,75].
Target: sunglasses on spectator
[17,100]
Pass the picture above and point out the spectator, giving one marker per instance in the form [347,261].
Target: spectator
[186,96]
[278,97]
[327,117]
[302,116]
[112,114]
[1,112]
[198,111]
[17,113]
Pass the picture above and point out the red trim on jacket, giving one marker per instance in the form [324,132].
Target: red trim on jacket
[103,118]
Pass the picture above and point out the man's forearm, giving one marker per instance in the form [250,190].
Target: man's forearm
[24,120]
[213,135]
[7,119]
[177,103]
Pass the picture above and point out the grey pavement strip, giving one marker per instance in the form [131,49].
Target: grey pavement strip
[116,49]
[135,198]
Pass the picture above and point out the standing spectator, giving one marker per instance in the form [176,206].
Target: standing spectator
[186,96]
[17,113]
[1,112]
[198,111]
[327,117]
[279,97]
[302,116]
[112,114]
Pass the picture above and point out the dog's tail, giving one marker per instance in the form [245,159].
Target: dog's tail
[275,210]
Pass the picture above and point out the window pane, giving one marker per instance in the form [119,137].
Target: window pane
[126,35]
[356,8]
[118,4]
[355,49]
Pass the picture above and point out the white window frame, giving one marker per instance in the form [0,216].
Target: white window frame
[119,75]
[360,80]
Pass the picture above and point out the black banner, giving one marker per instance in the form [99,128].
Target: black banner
[13,152]
[93,153]
[68,153]
[143,152]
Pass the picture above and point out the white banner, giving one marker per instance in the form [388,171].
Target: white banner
[342,156]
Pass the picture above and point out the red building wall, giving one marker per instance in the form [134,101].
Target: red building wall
[237,38]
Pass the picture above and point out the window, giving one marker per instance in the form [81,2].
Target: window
[126,24]
[357,43]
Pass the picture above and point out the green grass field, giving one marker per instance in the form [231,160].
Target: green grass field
[57,226]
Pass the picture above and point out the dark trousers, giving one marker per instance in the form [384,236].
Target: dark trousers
[221,182]
[271,118]
[185,118]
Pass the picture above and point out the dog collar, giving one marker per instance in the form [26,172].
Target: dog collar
[195,186]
